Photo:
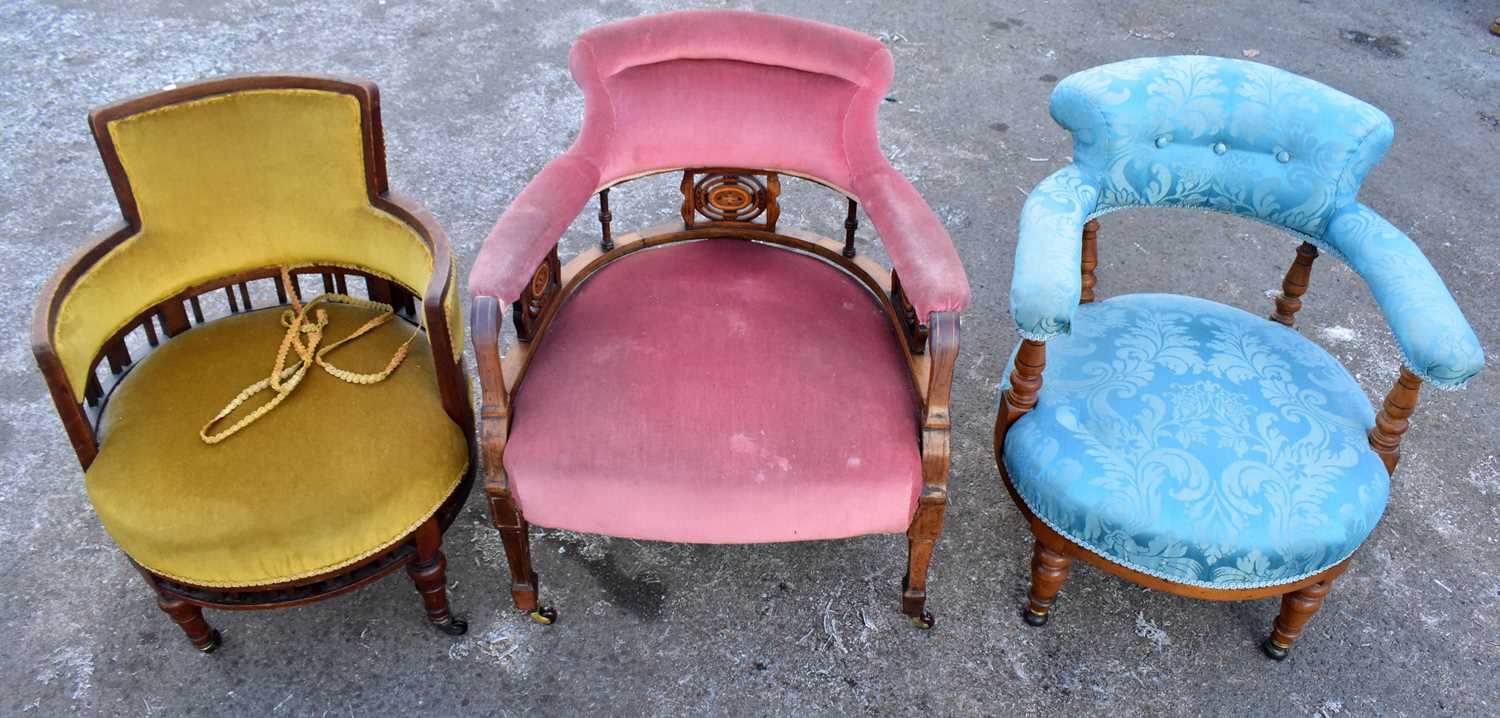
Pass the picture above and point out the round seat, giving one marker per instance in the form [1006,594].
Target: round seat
[1199,444]
[336,474]
[719,391]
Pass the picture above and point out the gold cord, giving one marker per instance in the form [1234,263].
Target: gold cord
[300,320]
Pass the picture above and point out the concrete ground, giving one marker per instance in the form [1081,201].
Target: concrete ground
[476,97]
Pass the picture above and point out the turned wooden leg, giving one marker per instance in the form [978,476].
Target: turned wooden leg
[515,534]
[921,538]
[1296,608]
[1049,568]
[190,617]
[429,571]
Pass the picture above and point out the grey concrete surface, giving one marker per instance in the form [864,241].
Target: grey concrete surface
[476,97]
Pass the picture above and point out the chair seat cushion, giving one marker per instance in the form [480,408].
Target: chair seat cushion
[334,475]
[719,391]
[1198,443]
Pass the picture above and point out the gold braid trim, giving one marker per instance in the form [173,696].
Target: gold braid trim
[329,568]
[299,320]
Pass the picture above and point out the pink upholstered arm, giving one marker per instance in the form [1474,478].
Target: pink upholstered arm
[531,226]
[921,251]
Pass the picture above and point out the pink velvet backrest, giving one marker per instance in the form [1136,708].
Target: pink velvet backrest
[724,88]
[721,88]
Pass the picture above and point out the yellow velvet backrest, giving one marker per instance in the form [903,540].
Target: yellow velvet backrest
[234,182]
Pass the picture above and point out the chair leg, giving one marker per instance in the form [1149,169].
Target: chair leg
[921,537]
[1296,608]
[1049,569]
[429,571]
[190,617]
[515,533]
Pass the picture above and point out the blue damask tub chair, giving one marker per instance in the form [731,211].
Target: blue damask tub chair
[1179,443]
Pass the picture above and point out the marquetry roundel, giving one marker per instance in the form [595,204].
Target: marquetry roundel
[731,198]
[540,279]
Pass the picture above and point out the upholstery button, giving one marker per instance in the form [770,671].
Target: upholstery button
[1283,157]
[1220,148]
[1163,141]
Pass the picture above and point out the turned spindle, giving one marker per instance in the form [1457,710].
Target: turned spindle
[1295,284]
[1391,423]
[1090,260]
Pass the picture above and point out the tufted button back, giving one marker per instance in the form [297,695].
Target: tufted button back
[1189,111]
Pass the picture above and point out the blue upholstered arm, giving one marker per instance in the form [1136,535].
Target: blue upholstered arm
[1045,287]
[1436,340]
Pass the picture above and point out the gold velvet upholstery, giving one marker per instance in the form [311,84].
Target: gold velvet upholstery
[234,182]
[336,474]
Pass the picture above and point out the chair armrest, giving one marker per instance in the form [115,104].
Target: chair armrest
[442,313]
[1437,343]
[1047,283]
[531,227]
[919,246]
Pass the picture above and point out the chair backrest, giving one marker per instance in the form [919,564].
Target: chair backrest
[720,88]
[1220,134]
[229,176]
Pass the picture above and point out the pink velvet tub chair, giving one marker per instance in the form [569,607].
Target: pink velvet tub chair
[741,382]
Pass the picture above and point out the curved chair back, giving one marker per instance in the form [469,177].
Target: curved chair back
[223,182]
[217,179]
[1237,137]
[730,89]
[1220,134]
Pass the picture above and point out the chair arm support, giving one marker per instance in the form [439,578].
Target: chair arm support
[531,227]
[1020,396]
[441,313]
[494,403]
[1436,341]
[937,422]
[919,246]
[942,352]
[43,347]
[1046,284]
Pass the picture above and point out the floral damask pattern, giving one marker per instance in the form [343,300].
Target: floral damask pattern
[1237,137]
[1222,134]
[1200,444]
[1436,340]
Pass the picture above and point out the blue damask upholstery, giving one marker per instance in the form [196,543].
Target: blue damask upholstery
[1198,443]
[1239,137]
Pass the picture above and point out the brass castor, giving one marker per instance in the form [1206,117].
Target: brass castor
[452,626]
[215,639]
[1275,650]
[1495,26]
[924,621]
[1033,618]
[546,615]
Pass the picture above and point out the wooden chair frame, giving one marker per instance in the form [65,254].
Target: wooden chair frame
[930,349]
[1053,554]
[420,552]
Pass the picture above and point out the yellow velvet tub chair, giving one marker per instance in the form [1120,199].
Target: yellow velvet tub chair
[149,331]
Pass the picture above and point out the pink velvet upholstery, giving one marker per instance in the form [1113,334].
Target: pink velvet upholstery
[718,392]
[720,88]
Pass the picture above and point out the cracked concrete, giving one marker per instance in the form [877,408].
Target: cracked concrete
[476,97]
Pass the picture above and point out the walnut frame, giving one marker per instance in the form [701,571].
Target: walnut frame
[1053,553]
[420,551]
[930,350]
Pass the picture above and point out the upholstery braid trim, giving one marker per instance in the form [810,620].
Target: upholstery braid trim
[297,323]
[1227,586]
[329,568]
